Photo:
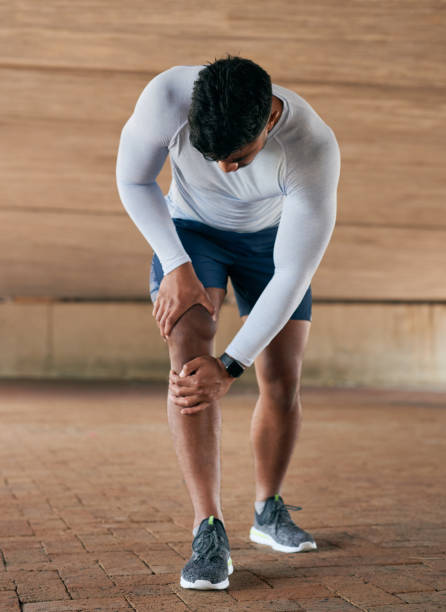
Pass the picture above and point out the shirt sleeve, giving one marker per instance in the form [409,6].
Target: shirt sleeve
[306,225]
[142,151]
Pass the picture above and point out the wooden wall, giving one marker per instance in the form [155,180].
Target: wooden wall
[71,74]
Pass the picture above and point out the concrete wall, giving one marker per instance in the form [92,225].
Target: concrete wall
[71,74]
[381,345]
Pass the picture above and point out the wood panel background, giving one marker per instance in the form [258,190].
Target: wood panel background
[71,74]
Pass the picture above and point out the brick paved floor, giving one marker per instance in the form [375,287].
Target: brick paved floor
[94,514]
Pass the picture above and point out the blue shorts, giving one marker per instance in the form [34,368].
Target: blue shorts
[246,258]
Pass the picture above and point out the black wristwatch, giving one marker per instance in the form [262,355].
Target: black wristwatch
[232,366]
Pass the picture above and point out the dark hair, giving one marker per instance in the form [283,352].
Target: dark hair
[231,104]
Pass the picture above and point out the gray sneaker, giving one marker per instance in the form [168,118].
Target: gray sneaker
[275,527]
[211,563]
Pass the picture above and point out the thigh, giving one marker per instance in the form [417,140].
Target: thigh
[278,367]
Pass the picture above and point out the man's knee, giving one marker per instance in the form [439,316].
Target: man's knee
[191,336]
[197,323]
[281,390]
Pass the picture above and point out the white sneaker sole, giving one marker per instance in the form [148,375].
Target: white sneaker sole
[263,538]
[203,585]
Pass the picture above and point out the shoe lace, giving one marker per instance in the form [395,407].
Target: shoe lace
[208,544]
[279,511]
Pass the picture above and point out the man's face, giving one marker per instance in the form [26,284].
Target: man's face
[245,155]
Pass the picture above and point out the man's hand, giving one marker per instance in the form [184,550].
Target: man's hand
[201,381]
[179,290]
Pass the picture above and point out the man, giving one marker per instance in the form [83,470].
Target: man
[253,198]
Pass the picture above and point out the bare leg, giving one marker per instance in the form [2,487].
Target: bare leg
[276,420]
[197,436]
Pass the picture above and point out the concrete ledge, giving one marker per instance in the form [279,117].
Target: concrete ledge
[382,345]
[351,344]
[24,341]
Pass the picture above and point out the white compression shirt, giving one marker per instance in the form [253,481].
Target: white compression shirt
[292,182]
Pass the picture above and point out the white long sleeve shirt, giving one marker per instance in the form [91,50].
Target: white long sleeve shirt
[292,182]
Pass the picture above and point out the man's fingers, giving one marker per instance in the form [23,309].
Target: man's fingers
[157,317]
[195,409]
[168,320]
[161,331]
[162,323]
[183,381]
[155,307]
[191,366]
[158,309]
[171,319]
[179,391]
[187,402]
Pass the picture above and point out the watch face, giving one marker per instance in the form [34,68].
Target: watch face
[232,367]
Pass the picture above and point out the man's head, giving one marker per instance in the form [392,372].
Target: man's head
[230,111]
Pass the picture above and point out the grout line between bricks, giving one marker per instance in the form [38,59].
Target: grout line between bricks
[21,604]
[188,606]
[373,584]
[102,568]
[82,544]
[65,586]
[30,526]
[352,603]
[3,559]
[129,602]
[174,550]
[79,499]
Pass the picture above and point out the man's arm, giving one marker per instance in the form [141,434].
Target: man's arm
[306,225]
[142,151]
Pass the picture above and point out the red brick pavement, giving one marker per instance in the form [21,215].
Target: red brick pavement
[94,514]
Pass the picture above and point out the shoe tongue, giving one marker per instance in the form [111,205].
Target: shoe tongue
[212,523]
[207,523]
[271,503]
[275,498]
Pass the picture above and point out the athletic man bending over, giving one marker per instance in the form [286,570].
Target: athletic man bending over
[253,198]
